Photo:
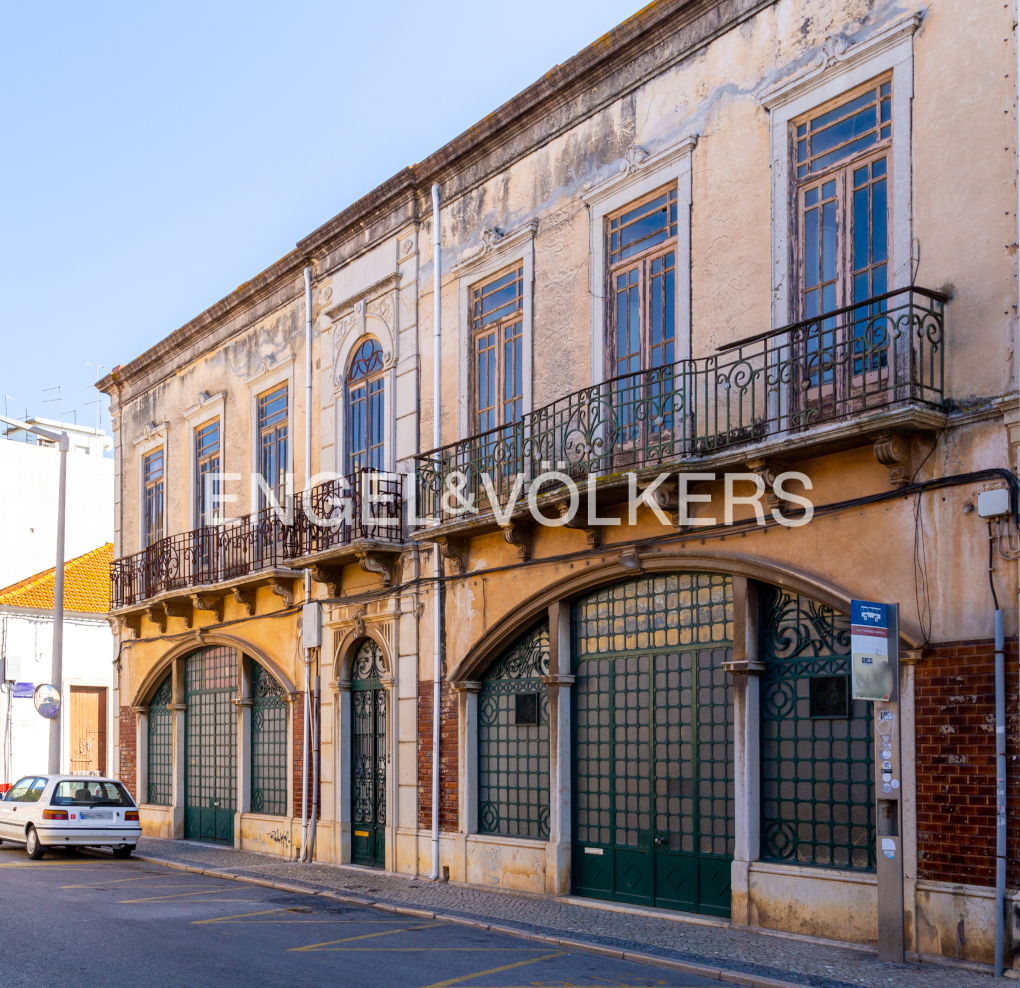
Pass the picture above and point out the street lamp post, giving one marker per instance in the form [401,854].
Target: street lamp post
[57,674]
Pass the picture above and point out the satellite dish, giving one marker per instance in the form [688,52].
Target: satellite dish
[47,700]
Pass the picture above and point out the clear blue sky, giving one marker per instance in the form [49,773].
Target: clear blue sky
[157,154]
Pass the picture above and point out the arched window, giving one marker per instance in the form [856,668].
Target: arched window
[366,407]
[817,794]
[513,741]
[159,765]
[268,744]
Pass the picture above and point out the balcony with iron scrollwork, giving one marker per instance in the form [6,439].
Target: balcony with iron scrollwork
[357,519]
[197,570]
[857,374]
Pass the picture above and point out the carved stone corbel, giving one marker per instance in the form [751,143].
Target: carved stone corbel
[245,596]
[666,497]
[133,622]
[893,450]
[283,589]
[208,602]
[329,576]
[768,470]
[455,549]
[180,608]
[377,562]
[519,533]
[157,615]
[592,533]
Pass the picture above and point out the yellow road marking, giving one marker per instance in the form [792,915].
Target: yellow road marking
[183,895]
[285,909]
[496,970]
[121,881]
[327,944]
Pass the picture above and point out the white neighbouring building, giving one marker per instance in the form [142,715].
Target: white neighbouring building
[26,640]
[28,496]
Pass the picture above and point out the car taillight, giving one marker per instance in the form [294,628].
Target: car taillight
[54,814]
[131,815]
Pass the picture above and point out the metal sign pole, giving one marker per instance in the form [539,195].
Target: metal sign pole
[875,647]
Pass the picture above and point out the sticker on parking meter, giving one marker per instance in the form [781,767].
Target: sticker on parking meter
[872,659]
[889,847]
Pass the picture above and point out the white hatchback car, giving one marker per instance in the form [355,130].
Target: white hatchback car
[46,811]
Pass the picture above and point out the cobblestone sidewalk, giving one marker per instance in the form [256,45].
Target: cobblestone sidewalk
[706,943]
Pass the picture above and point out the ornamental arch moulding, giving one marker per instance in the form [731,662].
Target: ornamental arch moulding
[348,637]
[154,677]
[525,615]
[371,312]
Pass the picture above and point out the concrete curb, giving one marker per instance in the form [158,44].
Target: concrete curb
[682,967]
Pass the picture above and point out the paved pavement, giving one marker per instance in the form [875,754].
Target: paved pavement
[89,919]
[698,944]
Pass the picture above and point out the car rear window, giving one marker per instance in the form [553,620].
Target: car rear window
[84,792]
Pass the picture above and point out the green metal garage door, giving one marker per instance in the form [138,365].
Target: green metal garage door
[653,772]
[210,771]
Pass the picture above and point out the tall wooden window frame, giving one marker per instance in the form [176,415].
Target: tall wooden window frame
[496,307]
[836,184]
[207,468]
[273,435]
[366,407]
[641,276]
[153,496]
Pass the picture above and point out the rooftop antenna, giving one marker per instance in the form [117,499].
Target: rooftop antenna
[60,403]
[8,398]
[97,367]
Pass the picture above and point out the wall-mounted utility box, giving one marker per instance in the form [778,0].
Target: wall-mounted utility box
[993,504]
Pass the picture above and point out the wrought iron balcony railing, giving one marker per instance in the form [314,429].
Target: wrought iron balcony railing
[832,368]
[211,554]
[365,506]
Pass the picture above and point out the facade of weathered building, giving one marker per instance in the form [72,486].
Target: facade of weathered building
[732,236]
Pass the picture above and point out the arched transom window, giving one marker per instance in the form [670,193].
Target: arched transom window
[366,407]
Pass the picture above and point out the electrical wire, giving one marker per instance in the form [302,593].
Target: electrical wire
[991,564]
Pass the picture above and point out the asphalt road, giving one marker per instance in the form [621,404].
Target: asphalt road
[86,919]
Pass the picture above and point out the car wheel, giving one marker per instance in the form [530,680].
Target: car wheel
[33,846]
[122,852]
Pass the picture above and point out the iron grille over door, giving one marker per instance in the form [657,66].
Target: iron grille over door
[268,744]
[653,774]
[817,790]
[210,770]
[368,757]
[160,748]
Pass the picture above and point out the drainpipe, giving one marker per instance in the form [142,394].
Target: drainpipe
[315,771]
[306,737]
[437,621]
[1000,794]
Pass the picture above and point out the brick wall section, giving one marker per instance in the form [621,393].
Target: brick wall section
[448,801]
[128,771]
[955,738]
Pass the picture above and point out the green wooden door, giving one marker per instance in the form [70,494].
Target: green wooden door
[368,757]
[653,775]
[210,769]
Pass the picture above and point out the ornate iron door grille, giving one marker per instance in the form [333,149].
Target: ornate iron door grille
[817,791]
[653,774]
[160,768]
[368,757]
[210,768]
[513,741]
[268,744]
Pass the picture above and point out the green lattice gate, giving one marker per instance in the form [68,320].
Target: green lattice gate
[653,772]
[210,769]
[368,757]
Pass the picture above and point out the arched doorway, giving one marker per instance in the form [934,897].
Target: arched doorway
[368,756]
[653,742]
[210,744]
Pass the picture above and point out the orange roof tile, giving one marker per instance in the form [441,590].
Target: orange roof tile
[86,585]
